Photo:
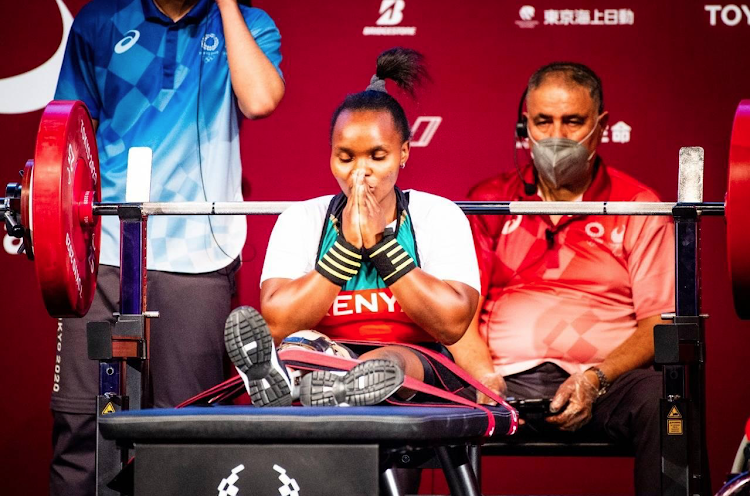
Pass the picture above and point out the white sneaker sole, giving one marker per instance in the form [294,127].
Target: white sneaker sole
[251,349]
[368,383]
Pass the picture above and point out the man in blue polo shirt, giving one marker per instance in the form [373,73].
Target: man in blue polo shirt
[169,75]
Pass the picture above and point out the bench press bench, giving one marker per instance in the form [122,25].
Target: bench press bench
[317,450]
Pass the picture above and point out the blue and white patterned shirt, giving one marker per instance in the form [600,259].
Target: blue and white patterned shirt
[165,85]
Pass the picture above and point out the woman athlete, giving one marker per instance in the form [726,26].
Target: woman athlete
[372,264]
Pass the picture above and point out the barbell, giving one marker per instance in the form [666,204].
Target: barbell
[57,206]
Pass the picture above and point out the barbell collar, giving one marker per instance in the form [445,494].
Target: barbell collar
[469,207]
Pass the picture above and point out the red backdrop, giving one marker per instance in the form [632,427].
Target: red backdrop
[673,73]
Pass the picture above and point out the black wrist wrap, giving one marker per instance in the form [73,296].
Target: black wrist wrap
[390,259]
[340,263]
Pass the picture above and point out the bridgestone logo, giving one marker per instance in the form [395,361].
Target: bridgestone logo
[389,31]
[391,14]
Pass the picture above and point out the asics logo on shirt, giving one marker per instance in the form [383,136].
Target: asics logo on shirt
[125,44]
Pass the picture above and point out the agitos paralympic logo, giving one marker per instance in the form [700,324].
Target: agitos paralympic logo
[391,14]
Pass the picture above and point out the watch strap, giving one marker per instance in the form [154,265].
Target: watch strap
[604,383]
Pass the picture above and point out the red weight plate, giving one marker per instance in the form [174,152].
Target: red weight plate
[737,210]
[65,174]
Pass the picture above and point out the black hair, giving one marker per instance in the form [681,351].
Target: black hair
[406,68]
[575,73]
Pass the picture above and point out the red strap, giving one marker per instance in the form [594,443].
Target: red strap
[450,365]
[219,389]
[323,360]
[303,356]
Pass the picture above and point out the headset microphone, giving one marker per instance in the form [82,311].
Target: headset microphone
[522,133]
[521,130]
[529,188]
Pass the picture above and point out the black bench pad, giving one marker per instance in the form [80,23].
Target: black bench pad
[240,424]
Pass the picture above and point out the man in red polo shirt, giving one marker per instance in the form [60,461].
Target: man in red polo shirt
[570,302]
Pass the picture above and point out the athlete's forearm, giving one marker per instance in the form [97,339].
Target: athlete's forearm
[471,352]
[443,309]
[255,81]
[290,305]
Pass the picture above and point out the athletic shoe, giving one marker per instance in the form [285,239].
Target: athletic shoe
[368,383]
[250,347]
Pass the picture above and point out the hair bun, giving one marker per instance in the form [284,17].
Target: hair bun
[404,66]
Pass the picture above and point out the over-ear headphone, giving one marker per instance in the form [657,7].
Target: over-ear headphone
[521,131]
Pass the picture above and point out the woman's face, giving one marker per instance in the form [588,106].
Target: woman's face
[367,140]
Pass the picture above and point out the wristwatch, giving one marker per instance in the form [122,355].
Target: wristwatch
[604,383]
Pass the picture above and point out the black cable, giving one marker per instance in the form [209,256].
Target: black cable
[528,188]
[549,235]
[198,132]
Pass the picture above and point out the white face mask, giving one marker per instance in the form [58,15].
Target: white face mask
[562,161]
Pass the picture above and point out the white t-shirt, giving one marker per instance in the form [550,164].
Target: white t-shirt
[444,241]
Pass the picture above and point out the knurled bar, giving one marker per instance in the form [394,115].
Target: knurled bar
[469,207]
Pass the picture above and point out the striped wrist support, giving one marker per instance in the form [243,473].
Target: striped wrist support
[340,263]
[390,259]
